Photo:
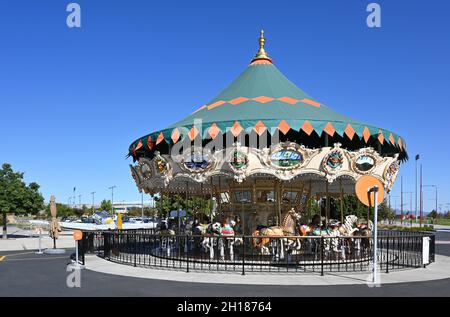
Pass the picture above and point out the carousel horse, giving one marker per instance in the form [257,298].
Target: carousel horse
[221,235]
[262,236]
[212,230]
[364,232]
[227,238]
[353,227]
[167,238]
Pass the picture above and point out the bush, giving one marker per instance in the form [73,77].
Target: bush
[407,229]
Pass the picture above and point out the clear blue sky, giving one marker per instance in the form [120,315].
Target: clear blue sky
[72,100]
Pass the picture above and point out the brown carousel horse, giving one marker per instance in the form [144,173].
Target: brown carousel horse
[262,237]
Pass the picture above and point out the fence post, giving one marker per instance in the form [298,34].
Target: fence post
[321,256]
[387,253]
[187,254]
[135,248]
[243,255]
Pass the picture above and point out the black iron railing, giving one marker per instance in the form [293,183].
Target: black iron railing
[147,248]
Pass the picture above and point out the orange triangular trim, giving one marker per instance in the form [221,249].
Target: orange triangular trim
[160,138]
[175,135]
[366,134]
[260,127]
[349,131]
[193,132]
[381,137]
[150,143]
[329,129]
[139,145]
[391,139]
[213,131]
[307,127]
[284,127]
[236,129]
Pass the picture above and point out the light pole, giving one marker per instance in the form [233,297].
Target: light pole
[112,198]
[79,201]
[375,190]
[410,203]
[401,200]
[142,201]
[421,197]
[93,194]
[435,187]
[436,197]
[415,212]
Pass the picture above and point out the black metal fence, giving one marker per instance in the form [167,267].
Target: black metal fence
[147,248]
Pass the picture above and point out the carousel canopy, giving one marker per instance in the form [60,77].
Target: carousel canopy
[263,101]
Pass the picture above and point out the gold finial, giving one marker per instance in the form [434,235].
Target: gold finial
[262,52]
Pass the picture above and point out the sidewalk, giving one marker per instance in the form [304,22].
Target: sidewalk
[23,239]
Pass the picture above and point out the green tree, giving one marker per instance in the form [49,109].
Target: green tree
[16,196]
[106,205]
[194,205]
[433,214]
[62,210]
[384,212]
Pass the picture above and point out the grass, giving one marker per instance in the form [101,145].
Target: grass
[442,221]
[407,229]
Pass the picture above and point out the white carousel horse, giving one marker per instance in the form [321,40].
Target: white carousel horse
[208,242]
[222,236]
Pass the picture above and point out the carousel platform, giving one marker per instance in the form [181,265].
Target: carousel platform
[435,271]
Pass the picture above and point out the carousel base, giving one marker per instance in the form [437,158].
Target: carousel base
[436,271]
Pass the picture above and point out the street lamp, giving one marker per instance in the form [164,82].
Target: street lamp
[112,198]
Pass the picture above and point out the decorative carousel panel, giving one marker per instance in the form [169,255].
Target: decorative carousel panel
[238,162]
[145,168]
[364,161]
[390,173]
[136,176]
[286,156]
[199,160]
[162,165]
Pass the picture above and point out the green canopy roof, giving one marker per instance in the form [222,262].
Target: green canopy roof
[263,99]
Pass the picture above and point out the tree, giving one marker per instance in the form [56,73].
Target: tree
[384,212]
[433,214]
[16,196]
[62,210]
[194,205]
[106,205]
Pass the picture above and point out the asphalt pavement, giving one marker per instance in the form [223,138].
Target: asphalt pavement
[24,273]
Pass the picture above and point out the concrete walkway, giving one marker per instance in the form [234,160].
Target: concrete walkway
[435,271]
[22,239]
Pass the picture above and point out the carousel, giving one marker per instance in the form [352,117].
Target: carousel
[262,150]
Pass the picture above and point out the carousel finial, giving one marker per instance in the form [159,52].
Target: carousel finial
[262,52]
